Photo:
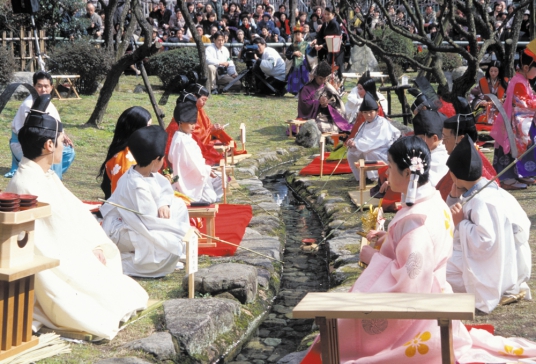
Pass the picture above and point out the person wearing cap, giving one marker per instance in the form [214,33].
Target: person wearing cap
[195,178]
[373,138]
[491,256]
[270,66]
[421,101]
[42,82]
[150,243]
[266,22]
[329,27]
[218,58]
[88,291]
[521,103]
[355,98]
[455,129]
[298,74]
[428,125]
[492,83]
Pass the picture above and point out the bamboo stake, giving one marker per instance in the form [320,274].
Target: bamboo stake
[238,246]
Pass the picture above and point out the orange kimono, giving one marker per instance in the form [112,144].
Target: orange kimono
[119,164]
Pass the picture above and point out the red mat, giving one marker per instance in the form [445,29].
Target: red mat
[313,168]
[231,223]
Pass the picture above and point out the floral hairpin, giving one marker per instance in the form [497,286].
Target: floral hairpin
[415,163]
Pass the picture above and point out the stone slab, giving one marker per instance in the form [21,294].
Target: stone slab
[126,360]
[159,344]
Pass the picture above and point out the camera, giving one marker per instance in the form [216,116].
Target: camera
[248,54]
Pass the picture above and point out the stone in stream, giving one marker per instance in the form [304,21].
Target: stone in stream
[159,344]
[196,324]
[293,358]
[240,280]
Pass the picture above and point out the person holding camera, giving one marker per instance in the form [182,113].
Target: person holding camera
[221,69]
[270,66]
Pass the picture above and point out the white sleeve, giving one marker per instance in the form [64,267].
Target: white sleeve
[20,117]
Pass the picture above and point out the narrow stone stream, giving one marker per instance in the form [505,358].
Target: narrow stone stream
[303,272]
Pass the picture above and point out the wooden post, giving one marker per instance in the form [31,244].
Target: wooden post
[243,135]
[322,148]
[362,181]
[447,347]
[329,341]
[22,50]
[191,260]
[223,182]
[31,52]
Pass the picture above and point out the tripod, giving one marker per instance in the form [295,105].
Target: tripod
[249,77]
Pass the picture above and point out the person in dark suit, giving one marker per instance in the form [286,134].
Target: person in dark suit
[329,27]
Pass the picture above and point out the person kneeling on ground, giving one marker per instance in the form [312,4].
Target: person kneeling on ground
[150,244]
[271,68]
[491,257]
[87,292]
[195,179]
[221,69]
[373,138]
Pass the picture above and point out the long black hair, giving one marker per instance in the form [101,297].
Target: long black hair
[403,149]
[368,84]
[500,76]
[131,119]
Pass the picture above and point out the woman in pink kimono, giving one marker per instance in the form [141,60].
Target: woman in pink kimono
[412,258]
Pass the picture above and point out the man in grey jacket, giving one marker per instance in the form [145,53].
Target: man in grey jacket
[271,67]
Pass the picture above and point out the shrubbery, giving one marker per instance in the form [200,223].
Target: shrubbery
[395,43]
[7,65]
[81,58]
[450,60]
[169,65]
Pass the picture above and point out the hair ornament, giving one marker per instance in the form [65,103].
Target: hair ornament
[416,166]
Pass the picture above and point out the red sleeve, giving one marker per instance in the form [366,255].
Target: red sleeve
[521,93]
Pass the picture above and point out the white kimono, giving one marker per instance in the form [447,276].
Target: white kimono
[491,256]
[149,246]
[354,102]
[438,164]
[372,141]
[194,175]
[81,294]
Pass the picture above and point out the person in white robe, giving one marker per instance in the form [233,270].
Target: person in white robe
[42,82]
[373,138]
[87,292]
[428,125]
[195,179]
[491,255]
[152,243]
[355,98]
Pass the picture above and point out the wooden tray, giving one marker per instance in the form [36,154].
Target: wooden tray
[12,218]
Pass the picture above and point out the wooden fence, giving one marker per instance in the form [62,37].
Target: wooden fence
[22,47]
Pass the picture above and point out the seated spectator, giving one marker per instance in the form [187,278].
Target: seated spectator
[96,27]
[42,82]
[152,243]
[246,26]
[319,101]
[282,10]
[87,292]
[198,20]
[213,31]
[196,178]
[271,67]
[209,23]
[313,22]
[284,26]
[355,98]
[266,22]
[208,9]
[491,257]
[221,69]
[161,15]
[191,9]
[265,34]
[373,138]
[119,159]
[238,39]
[203,37]
[176,22]
[308,36]
[234,15]
[245,7]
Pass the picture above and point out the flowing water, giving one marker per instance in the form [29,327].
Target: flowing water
[303,272]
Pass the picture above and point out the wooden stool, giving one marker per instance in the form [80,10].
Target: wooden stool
[326,308]
[296,123]
[209,214]
[358,197]
[72,88]
[18,266]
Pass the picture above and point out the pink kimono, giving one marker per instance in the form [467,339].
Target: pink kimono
[413,259]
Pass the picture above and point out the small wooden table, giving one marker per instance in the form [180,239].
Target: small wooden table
[326,308]
[209,214]
[296,123]
[70,79]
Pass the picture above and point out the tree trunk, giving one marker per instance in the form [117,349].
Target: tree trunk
[291,5]
[108,35]
[117,69]
[510,48]
[200,46]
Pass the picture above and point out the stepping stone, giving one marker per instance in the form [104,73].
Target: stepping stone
[159,344]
